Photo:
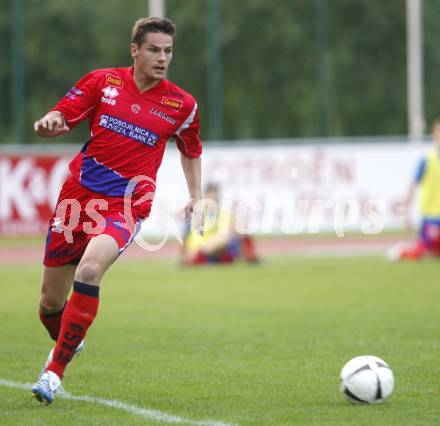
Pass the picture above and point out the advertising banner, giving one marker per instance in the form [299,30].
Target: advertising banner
[29,187]
[272,189]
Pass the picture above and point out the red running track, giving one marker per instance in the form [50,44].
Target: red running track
[308,246]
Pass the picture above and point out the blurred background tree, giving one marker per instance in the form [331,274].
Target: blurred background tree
[289,69]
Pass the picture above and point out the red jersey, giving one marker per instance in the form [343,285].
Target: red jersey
[128,129]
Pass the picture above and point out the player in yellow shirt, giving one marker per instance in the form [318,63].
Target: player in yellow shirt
[220,243]
[427,179]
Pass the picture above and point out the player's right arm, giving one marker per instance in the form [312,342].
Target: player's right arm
[407,204]
[77,105]
[51,125]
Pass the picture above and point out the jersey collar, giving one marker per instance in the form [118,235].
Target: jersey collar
[162,83]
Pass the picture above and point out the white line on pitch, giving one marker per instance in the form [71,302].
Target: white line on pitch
[147,413]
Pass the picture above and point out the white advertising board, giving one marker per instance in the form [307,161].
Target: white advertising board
[273,189]
[280,189]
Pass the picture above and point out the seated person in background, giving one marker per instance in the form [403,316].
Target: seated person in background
[427,178]
[220,243]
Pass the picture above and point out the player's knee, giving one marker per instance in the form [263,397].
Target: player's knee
[88,272]
[50,303]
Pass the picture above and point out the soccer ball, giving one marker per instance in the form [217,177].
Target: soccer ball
[367,379]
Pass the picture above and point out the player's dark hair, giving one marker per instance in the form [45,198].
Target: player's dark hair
[436,122]
[151,25]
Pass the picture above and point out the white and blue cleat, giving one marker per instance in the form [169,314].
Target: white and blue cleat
[49,383]
[44,390]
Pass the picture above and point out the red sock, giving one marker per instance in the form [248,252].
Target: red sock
[78,316]
[415,252]
[248,249]
[52,322]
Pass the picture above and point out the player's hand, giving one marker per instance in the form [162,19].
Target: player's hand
[51,125]
[194,211]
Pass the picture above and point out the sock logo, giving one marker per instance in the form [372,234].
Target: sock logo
[71,339]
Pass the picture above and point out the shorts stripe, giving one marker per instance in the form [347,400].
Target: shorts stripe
[133,236]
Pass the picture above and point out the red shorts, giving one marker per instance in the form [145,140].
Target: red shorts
[82,214]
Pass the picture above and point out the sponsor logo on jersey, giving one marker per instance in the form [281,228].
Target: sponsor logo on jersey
[74,92]
[114,80]
[109,94]
[162,115]
[129,130]
[172,103]
[135,109]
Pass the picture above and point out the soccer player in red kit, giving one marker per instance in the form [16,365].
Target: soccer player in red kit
[132,113]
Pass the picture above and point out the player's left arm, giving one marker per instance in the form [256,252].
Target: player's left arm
[192,170]
[188,141]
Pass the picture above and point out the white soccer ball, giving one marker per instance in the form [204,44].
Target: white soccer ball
[367,379]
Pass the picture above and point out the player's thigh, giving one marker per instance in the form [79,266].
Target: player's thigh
[55,285]
[216,243]
[100,253]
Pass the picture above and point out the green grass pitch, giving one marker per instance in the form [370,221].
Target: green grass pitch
[259,345]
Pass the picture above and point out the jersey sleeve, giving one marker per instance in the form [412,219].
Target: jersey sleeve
[187,136]
[420,171]
[79,102]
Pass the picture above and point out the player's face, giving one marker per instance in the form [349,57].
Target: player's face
[153,57]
